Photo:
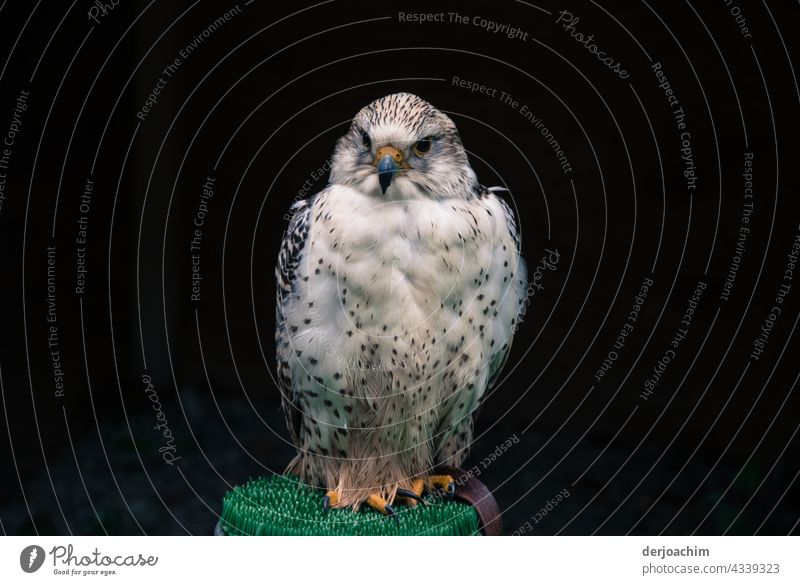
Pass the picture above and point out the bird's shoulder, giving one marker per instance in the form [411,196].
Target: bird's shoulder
[294,242]
[491,195]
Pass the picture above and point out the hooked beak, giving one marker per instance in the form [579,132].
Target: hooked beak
[389,161]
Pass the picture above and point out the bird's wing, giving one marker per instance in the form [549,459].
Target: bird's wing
[498,360]
[286,279]
[497,363]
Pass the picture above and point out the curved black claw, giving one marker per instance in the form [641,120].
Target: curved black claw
[326,504]
[390,511]
[411,495]
[450,491]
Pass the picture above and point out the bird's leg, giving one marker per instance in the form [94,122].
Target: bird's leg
[443,485]
[376,502]
[413,495]
[330,500]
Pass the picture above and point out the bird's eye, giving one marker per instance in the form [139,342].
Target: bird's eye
[366,141]
[422,146]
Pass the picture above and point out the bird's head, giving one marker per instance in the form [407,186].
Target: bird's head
[402,147]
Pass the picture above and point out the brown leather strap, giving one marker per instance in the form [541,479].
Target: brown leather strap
[471,490]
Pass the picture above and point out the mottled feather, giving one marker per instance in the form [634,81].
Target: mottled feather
[396,309]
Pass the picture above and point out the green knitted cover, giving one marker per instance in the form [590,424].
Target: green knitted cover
[279,505]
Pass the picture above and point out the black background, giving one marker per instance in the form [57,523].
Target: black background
[258,106]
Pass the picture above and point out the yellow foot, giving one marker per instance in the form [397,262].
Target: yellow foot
[330,500]
[443,485]
[414,495]
[376,502]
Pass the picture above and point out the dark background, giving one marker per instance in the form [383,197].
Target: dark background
[258,106]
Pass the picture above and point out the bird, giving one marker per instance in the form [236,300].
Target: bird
[400,286]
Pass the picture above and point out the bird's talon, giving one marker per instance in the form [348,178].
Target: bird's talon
[410,495]
[329,500]
[414,495]
[444,485]
[390,511]
[376,502]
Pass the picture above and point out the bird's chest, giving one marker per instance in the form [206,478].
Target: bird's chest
[394,267]
[397,297]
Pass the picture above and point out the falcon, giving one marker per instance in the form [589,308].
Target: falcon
[399,288]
